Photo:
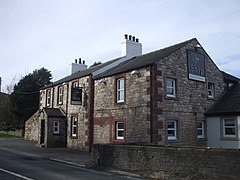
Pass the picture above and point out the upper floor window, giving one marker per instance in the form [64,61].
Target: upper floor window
[120,90]
[211,90]
[171,87]
[48,97]
[200,129]
[172,130]
[229,127]
[60,95]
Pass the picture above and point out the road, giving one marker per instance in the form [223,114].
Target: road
[17,165]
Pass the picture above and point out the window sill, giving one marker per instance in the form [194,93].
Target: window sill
[201,139]
[56,134]
[119,140]
[211,99]
[229,139]
[171,98]
[119,103]
[73,137]
[172,140]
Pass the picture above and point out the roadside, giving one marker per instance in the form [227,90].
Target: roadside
[65,155]
[62,155]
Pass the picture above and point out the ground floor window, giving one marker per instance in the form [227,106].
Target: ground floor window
[56,127]
[74,126]
[229,127]
[200,129]
[119,130]
[172,130]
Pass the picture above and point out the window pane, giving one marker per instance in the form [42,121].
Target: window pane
[120,133]
[170,91]
[229,122]
[230,131]
[170,124]
[199,125]
[171,133]
[120,125]
[169,83]
[199,132]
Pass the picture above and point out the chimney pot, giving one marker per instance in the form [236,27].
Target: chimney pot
[126,36]
[83,61]
[130,37]
[133,38]
[80,62]
[75,60]
[137,40]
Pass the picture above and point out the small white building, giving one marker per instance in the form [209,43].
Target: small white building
[223,120]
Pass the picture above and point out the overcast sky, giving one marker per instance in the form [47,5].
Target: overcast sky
[52,33]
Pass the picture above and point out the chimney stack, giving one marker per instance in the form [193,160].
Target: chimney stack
[131,47]
[77,66]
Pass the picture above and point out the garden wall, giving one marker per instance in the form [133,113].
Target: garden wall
[170,162]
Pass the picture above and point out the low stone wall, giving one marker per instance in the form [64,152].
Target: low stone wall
[170,162]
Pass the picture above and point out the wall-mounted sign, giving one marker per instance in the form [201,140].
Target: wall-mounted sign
[76,96]
[196,66]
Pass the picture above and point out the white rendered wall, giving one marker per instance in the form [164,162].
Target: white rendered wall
[214,134]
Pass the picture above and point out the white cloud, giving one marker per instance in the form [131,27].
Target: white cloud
[53,33]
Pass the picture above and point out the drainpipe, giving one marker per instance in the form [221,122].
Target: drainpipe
[91,112]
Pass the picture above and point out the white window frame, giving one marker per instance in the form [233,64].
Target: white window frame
[211,90]
[229,126]
[60,95]
[201,129]
[172,129]
[74,125]
[173,87]
[56,126]
[120,90]
[48,97]
[119,129]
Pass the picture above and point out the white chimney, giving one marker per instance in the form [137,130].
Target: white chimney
[77,66]
[131,47]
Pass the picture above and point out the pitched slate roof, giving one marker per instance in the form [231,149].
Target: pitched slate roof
[80,74]
[229,78]
[143,60]
[229,104]
[53,112]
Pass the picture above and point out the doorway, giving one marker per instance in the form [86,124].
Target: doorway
[42,135]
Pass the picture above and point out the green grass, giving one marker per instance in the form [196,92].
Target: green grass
[6,135]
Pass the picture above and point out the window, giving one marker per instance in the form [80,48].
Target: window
[119,130]
[211,90]
[120,90]
[172,130]
[60,95]
[200,129]
[170,87]
[229,127]
[48,97]
[74,126]
[56,127]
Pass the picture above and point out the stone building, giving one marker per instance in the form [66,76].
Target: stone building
[160,97]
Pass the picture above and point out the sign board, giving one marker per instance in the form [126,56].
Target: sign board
[76,96]
[196,66]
